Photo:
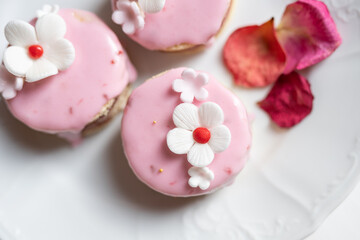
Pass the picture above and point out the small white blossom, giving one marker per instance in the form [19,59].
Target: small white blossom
[199,132]
[46,9]
[38,52]
[128,14]
[200,177]
[9,84]
[191,86]
[151,6]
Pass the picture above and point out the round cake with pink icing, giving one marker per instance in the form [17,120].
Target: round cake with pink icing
[171,25]
[64,73]
[184,134]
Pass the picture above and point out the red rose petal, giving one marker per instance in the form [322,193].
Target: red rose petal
[289,101]
[254,56]
[307,33]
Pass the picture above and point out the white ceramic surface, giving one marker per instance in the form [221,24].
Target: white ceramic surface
[294,180]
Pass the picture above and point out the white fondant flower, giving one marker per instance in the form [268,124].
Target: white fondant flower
[40,52]
[128,15]
[9,84]
[199,132]
[191,85]
[152,6]
[46,9]
[200,177]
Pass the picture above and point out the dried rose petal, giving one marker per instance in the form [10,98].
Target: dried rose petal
[254,56]
[289,101]
[307,33]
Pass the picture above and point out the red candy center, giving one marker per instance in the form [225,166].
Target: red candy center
[201,135]
[36,51]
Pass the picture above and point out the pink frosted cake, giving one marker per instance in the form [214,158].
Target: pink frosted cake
[184,134]
[171,25]
[66,73]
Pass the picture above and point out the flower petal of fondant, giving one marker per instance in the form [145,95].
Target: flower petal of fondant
[194,181]
[119,17]
[9,84]
[188,74]
[210,115]
[129,28]
[180,140]
[20,33]
[61,53]
[50,28]
[186,116]
[187,96]
[152,6]
[202,79]
[203,185]
[41,68]
[17,60]
[135,8]
[200,155]
[19,83]
[9,93]
[140,22]
[46,9]
[220,138]
[202,94]
[178,85]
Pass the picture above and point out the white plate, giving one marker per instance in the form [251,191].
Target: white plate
[294,180]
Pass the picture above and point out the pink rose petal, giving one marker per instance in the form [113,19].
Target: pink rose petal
[307,33]
[289,101]
[254,56]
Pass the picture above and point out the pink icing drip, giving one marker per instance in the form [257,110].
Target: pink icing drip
[75,139]
[145,142]
[68,101]
[182,21]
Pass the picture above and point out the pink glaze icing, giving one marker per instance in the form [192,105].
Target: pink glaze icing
[145,142]
[68,101]
[194,22]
